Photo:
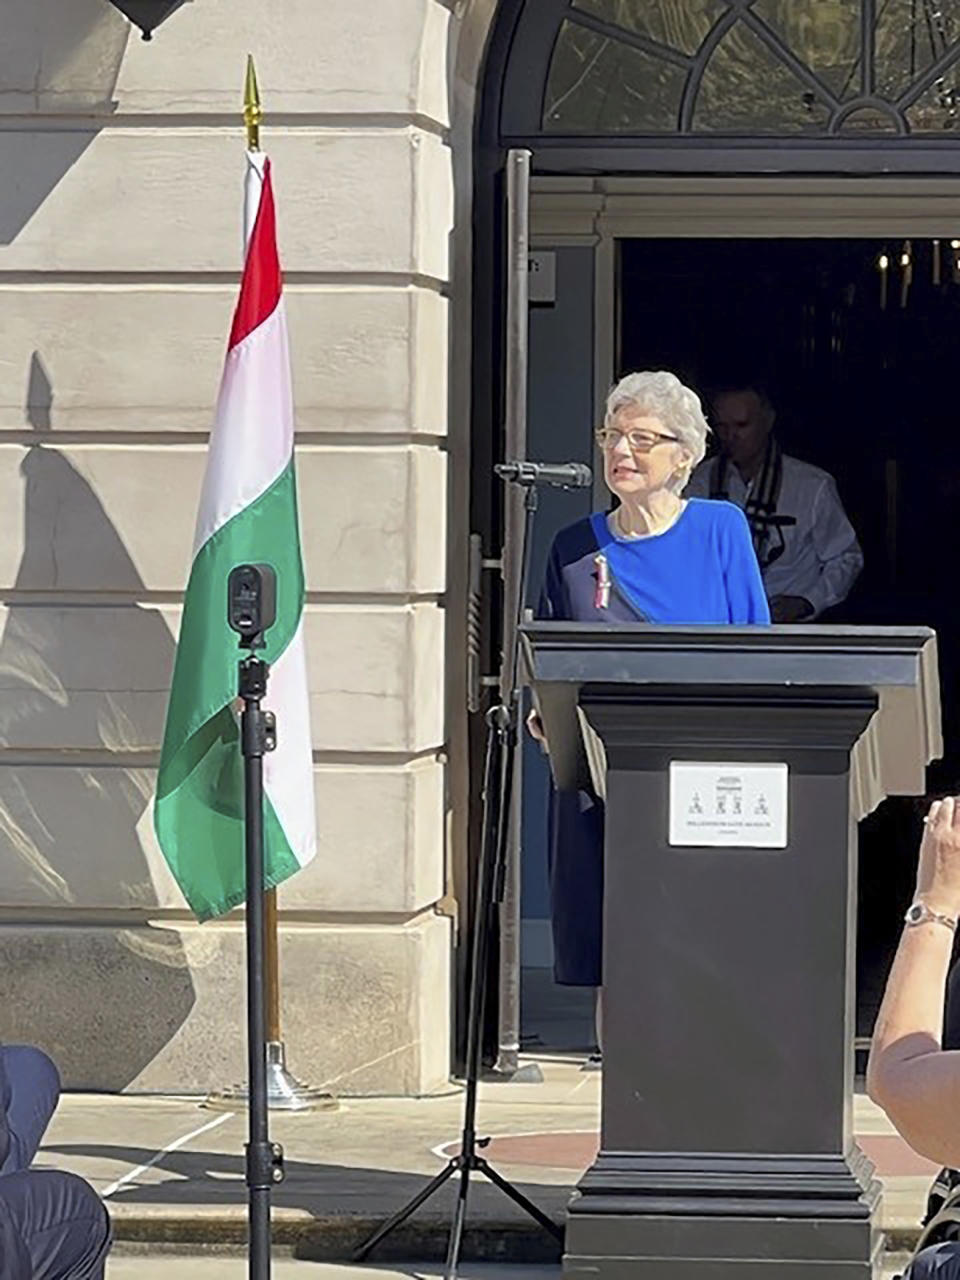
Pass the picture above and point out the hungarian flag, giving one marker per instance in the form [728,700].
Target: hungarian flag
[248,515]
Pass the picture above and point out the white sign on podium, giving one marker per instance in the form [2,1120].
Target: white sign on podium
[743,806]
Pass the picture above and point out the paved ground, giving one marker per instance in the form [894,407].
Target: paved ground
[171,1171]
[158,1268]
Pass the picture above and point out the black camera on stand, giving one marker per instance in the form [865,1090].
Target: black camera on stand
[252,603]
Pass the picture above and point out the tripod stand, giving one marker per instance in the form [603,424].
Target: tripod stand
[503,729]
[251,611]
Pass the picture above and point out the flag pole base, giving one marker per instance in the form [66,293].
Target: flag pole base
[284,1090]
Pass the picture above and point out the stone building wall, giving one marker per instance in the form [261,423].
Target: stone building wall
[120,226]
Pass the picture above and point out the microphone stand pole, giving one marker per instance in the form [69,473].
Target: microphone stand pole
[503,730]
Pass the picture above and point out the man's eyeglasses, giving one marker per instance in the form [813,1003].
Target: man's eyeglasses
[639,441]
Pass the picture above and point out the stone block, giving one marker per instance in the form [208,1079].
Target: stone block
[131,200]
[160,1007]
[362,58]
[376,678]
[438,38]
[433,205]
[89,680]
[61,58]
[80,836]
[100,517]
[430,356]
[94,679]
[374,518]
[380,841]
[364,359]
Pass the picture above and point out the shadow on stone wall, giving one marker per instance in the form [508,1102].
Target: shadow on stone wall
[82,675]
[103,1002]
[55,59]
[39,394]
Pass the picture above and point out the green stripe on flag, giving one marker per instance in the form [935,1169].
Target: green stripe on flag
[199,808]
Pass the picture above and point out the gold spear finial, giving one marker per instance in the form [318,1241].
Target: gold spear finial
[252,111]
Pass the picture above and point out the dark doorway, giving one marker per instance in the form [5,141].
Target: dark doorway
[864,386]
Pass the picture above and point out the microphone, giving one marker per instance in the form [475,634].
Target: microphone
[563,475]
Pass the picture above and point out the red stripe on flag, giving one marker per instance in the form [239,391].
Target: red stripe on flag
[262,281]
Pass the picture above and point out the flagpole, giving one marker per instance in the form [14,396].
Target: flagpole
[284,1091]
[252,119]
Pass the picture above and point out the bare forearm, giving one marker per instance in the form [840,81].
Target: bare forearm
[916,1083]
[909,1075]
[913,1003]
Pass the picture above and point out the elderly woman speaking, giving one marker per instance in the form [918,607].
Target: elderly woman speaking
[655,558]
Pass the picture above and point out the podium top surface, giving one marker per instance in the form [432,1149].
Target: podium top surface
[606,653]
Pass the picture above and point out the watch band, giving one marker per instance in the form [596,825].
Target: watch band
[920,913]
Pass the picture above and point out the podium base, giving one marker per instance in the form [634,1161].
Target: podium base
[672,1216]
[284,1091]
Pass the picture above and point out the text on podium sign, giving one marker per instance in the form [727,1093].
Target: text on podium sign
[742,806]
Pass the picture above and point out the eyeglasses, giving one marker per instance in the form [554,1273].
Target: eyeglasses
[639,441]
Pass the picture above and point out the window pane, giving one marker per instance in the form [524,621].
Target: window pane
[746,89]
[825,34]
[911,36]
[597,85]
[682,24]
[938,108]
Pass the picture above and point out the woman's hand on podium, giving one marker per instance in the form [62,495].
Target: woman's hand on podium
[535,727]
[938,875]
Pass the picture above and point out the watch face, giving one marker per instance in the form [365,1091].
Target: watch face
[916,913]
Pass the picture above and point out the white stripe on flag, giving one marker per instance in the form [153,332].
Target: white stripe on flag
[252,437]
[288,771]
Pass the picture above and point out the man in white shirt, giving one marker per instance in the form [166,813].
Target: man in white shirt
[808,552]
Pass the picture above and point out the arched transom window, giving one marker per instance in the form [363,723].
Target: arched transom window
[842,68]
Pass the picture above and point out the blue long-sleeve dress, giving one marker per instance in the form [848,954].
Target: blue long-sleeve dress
[702,569]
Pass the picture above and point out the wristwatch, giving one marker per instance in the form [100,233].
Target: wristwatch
[920,913]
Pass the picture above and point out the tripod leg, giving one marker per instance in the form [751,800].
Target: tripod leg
[456,1231]
[519,1198]
[411,1207]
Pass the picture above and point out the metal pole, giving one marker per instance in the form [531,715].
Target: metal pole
[261,1157]
[271,965]
[515,445]
[502,721]
[284,1091]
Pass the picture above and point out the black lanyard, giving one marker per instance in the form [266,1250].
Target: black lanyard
[766,526]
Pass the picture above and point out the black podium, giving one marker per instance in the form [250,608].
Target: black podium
[734,763]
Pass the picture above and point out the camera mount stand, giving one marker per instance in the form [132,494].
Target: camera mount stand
[251,611]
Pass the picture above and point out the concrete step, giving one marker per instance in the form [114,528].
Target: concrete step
[157,1266]
[160,1266]
[336,1238]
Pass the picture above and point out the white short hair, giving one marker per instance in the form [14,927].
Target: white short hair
[663,396]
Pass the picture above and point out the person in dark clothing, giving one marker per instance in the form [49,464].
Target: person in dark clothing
[53,1225]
